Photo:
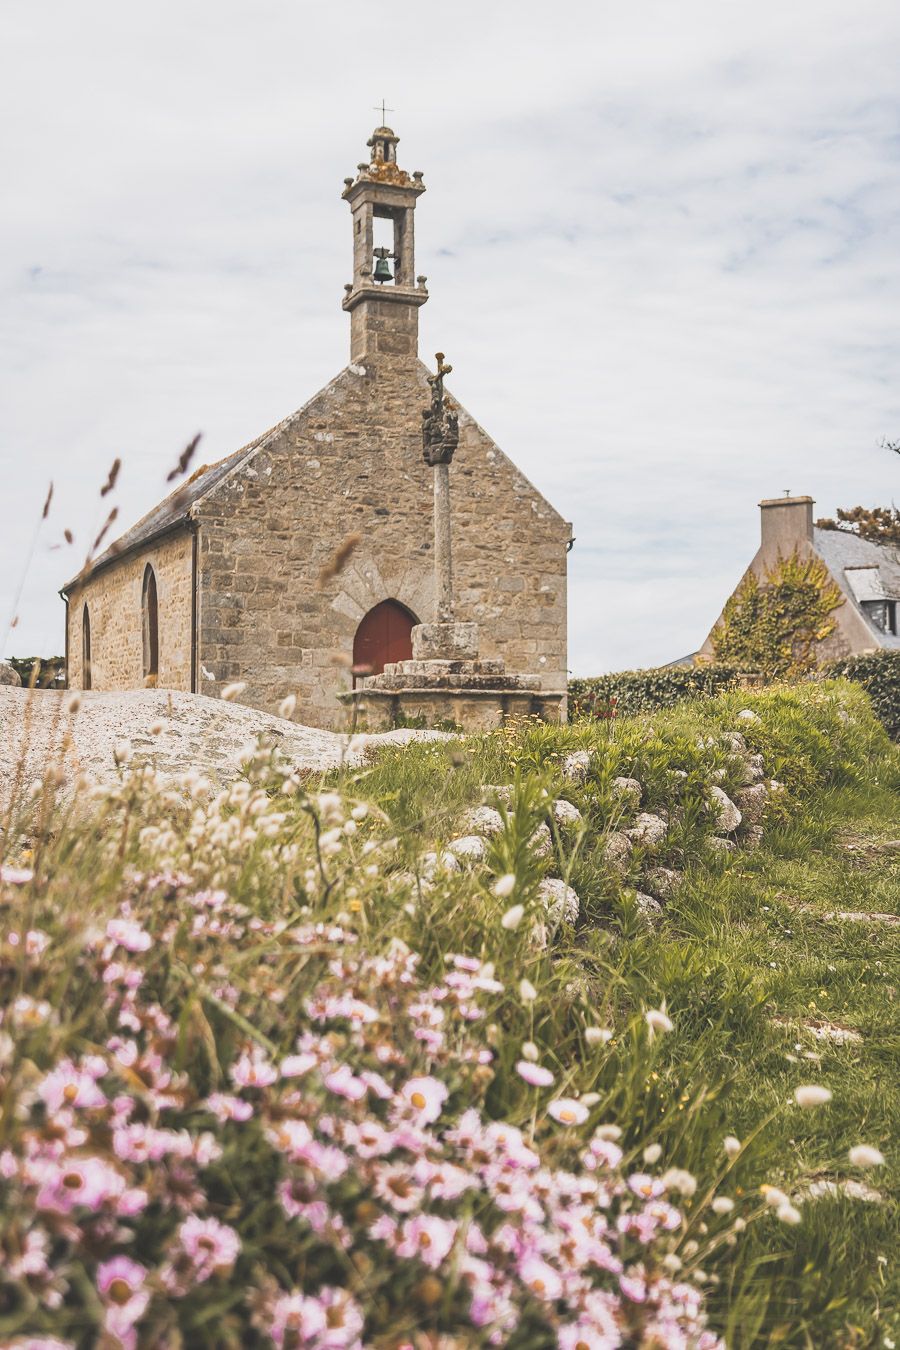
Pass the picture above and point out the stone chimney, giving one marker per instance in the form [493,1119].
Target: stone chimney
[787,525]
[385,295]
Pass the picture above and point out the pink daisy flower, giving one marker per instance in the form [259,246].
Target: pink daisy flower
[425,1096]
[128,934]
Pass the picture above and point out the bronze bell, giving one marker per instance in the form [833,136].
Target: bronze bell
[382,266]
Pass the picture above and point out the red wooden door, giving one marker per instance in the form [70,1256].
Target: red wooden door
[384,635]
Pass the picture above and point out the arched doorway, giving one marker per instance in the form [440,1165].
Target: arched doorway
[85,649]
[150,624]
[384,635]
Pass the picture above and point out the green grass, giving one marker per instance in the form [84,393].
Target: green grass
[740,945]
[743,961]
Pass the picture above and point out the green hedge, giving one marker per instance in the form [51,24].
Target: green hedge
[879,675]
[636,691]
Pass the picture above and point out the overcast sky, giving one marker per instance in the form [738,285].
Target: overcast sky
[661,243]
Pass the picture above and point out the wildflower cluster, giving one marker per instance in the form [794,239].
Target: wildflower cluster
[169,1162]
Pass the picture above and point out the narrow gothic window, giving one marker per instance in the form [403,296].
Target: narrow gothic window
[150,624]
[85,649]
[383,635]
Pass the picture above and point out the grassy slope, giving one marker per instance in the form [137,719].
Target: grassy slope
[737,948]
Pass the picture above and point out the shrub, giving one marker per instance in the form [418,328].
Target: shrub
[635,691]
[775,625]
[879,675]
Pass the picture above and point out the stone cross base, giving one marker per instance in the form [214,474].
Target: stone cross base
[468,708]
[443,683]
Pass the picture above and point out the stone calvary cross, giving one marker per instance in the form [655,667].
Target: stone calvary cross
[440,437]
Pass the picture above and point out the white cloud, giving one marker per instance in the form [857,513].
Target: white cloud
[660,241]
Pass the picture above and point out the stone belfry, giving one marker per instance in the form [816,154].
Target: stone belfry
[384,297]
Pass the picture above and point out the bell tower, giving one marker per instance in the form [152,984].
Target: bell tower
[384,296]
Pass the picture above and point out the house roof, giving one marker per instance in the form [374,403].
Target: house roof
[864,571]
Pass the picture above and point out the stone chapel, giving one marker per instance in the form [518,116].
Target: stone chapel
[228,578]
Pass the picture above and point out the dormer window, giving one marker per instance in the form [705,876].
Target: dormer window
[883,614]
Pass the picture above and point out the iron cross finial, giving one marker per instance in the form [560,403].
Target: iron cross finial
[384,111]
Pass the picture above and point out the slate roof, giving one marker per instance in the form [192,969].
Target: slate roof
[173,511]
[843,552]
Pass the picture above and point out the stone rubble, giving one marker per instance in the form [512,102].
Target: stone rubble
[560,900]
[648,830]
[629,789]
[662,882]
[617,851]
[565,814]
[471,848]
[728,817]
[575,766]
[650,910]
[484,820]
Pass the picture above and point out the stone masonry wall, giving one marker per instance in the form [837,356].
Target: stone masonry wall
[113,598]
[351,461]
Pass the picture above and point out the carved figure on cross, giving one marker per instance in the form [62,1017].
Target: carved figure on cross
[440,426]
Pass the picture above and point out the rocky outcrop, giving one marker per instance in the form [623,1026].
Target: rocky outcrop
[175,732]
[9,675]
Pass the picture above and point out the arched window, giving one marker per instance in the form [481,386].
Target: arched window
[150,624]
[384,635]
[85,648]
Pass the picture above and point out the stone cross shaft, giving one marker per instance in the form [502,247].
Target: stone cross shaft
[440,437]
[443,561]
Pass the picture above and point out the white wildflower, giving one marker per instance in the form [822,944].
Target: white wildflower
[597,1035]
[505,885]
[732,1145]
[788,1213]
[657,1020]
[812,1095]
[611,1132]
[722,1204]
[527,991]
[677,1179]
[122,752]
[652,1154]
[233,690]
[529,1051]
[287,706]
[513,917]
[863,1155]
